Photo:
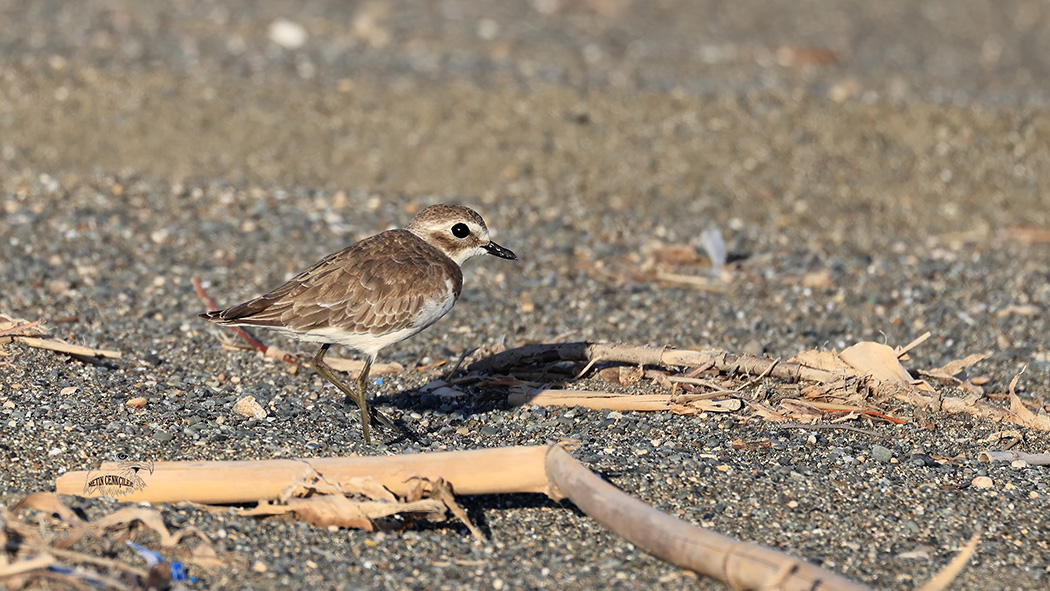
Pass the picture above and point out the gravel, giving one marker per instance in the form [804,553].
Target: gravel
[896,189]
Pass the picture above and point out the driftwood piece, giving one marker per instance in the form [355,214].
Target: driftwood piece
[743,565]
[483,471]
[586,352]
[679,404]
[22,331]
[822,369]
[543,469]
[1013,456]
[63,347]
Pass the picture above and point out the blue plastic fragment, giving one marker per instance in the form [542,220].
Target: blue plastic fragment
[152,558]
[178,570]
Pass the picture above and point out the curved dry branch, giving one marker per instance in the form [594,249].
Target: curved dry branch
[590,353]
[742,565]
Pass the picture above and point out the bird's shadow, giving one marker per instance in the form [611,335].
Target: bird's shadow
[480,506]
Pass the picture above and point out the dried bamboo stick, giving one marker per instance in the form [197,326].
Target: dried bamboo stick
[616,401]
[743,565]
[484,471]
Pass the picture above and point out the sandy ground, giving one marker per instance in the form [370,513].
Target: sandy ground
[878,170]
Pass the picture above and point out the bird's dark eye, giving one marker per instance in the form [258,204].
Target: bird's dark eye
[460,231]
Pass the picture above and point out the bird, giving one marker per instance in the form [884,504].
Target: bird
[373,293]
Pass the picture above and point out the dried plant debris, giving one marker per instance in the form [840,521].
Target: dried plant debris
[858,382]
[31,334]
[363,503]
[701,264]
[46,540]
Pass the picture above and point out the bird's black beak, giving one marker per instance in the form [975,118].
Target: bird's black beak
[497,250]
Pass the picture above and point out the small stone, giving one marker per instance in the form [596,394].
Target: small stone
[1018,464]
[922,459]
[447,392]
[248,407]
[163,436]
[258,566]
[67,390]
[287,34]
[982,482]
[138,402]
[754,348]
[881,454]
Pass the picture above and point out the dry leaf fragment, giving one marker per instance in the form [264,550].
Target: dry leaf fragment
[825,360]
[151,518]
[368,487]
[624,375]
[337,510]
[321,511]
[876,359]
[1026,417]
[50,503]
[949,370]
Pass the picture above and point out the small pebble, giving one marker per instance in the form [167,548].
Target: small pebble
[881,454]
[138,402]
[248,407]
[287,34]
[753,348]
[921,459]
[982,482]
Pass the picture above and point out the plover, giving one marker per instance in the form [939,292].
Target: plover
[374,293]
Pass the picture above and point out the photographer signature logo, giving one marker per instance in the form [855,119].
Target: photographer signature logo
[117,481]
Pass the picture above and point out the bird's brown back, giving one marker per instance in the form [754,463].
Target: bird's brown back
[377,285]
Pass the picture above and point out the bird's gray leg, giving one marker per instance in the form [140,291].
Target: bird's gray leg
[362,387]
[358,397]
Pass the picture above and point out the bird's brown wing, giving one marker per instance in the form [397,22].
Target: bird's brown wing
[375,286]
